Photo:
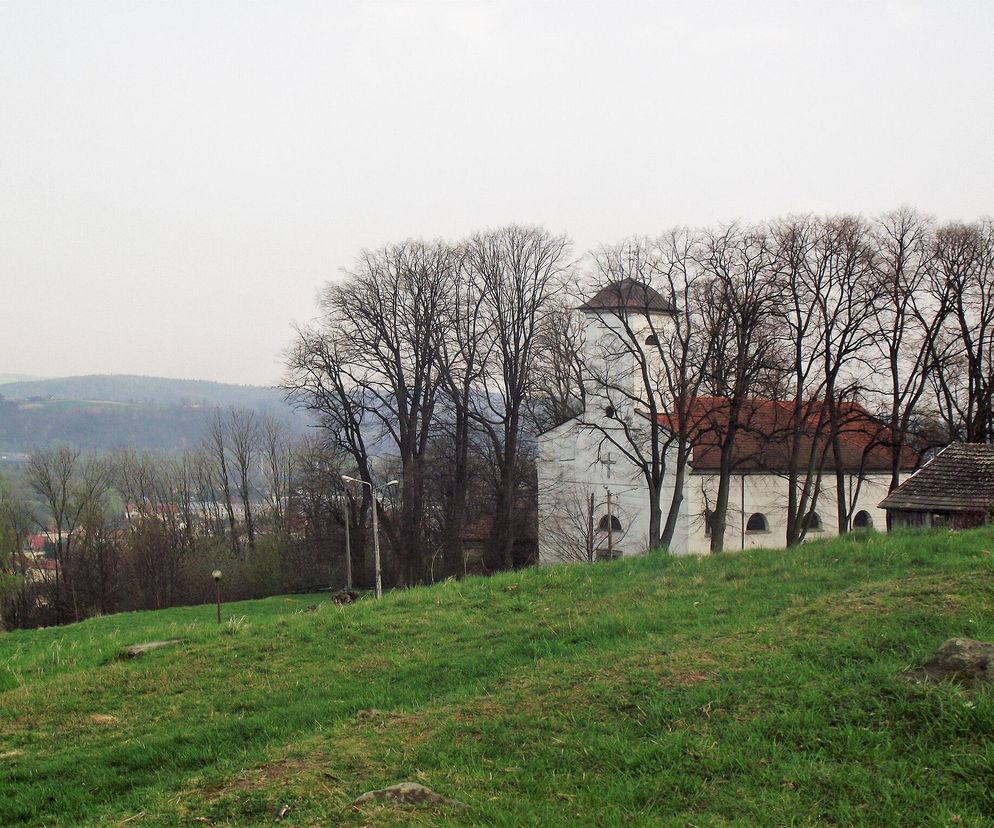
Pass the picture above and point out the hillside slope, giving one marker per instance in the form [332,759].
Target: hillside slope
[128,388]
[107,411]
[756,688]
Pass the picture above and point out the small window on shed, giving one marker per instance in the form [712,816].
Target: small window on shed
[615,524]
[862,520]
[757,523]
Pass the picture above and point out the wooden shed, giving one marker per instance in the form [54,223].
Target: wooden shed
[955,489]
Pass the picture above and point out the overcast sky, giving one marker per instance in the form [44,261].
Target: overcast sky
[177,179]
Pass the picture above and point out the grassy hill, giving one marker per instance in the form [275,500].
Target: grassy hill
[755,688]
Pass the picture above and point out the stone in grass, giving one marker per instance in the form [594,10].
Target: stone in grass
[959,659]
[406,793]
[136,650]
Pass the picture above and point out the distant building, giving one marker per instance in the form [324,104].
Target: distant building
[956,489]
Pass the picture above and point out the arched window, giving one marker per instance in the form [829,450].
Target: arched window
[862,520]
[653,340]
[708,522]
[615,523]
[812,522]
[757,523]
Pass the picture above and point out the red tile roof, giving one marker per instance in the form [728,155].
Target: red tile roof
[764,439]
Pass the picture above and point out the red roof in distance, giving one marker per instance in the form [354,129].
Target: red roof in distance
[764,439]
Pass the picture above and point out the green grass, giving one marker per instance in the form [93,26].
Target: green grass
[757,688]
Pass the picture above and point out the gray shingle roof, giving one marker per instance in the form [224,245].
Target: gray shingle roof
[959,479]
[630,295]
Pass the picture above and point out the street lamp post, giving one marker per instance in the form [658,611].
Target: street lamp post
[217,591]
[376,526]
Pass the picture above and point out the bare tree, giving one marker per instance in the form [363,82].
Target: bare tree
[16,522]
[318,380]
[216,447]
[69,484]
[243,434]
[964,257]
[463,343]
[388,313]
[568,521]
[907,320]
[744,360]
[559,389]
[277,470]
[519,271]
[849,287]
[802,421]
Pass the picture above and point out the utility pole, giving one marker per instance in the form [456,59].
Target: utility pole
[590,530]
[376,544]
[610,527]
[376,526]
[348,542]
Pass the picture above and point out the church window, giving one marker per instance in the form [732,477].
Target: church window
[613,522]
[812,522]
[862,520]
[757,523]
[652,339]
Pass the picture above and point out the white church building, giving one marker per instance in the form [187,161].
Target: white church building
[593,498]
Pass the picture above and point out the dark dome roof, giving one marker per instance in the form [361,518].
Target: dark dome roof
[629,295]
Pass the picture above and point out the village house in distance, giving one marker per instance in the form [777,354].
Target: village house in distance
[593,494]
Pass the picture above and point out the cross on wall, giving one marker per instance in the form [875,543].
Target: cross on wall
[607,460]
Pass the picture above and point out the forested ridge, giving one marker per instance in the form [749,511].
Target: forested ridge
[107,411]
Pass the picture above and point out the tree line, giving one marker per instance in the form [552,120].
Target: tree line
[445,355]
[437,364]
[85,533]
[882,325]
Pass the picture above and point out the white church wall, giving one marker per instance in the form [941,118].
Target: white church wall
[766,494]
[608,343]
[577,460]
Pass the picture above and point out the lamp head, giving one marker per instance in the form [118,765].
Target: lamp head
[216,574]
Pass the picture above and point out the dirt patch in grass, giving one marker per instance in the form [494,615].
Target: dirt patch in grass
[689,678]
[277,773]
[380,719]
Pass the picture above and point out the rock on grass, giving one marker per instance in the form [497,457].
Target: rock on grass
[959,659]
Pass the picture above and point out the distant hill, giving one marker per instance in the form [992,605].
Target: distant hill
[104,411]
[127,388]
[6,378]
